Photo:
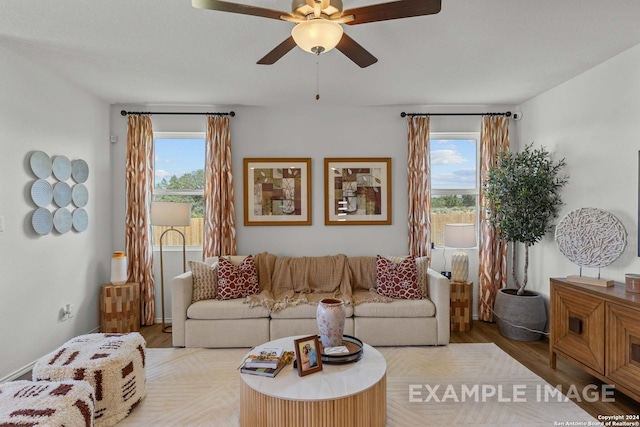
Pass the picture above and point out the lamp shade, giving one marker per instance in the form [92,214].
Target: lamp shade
[317,32]
[173,214]
[459,235]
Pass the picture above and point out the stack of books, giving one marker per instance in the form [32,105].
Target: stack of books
[267,362]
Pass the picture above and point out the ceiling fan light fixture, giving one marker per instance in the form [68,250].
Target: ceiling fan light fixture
[316,33]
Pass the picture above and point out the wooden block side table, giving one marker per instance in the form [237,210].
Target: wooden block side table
[461,306]
[120,308]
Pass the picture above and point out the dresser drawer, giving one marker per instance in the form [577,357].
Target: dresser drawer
[623,346]
[578,326]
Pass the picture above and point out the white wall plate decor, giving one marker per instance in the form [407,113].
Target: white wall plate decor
[62,220]
[41,193]
[42,221]
[80,195]
[40,164]
[62,194]
[61,168]
[591,237]
[79,170]
[80,220]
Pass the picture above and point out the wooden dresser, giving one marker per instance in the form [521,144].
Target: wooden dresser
[598,329]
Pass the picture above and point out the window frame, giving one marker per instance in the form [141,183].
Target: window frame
[164,192]
[459,191]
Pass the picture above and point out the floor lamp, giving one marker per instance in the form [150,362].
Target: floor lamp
[170,214]
[459,236]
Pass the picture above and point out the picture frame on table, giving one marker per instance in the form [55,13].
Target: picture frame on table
[277,191]
[357,191]
[308,355]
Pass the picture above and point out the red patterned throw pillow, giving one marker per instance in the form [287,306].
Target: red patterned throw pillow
[237,282]
[397,280]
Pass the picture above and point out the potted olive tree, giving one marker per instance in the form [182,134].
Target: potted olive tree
[523,194]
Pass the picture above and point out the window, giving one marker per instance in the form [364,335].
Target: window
[454,181]
[179,177]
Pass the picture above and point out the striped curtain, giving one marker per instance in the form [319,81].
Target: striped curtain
[419,186]
[492,271]
[219,221]
[139,189]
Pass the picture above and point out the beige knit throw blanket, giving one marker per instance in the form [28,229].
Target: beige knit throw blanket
[287,281]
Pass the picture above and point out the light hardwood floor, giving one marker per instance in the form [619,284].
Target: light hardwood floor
[533,355]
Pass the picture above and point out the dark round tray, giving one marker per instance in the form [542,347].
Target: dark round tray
[353,344]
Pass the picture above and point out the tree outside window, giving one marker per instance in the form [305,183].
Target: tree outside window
[179,177]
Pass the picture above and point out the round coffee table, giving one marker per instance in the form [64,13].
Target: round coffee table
[353,394]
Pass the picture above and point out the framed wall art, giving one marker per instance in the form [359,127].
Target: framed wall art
[277,191]
[357,191]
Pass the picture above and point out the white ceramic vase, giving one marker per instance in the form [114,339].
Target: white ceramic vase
[330,316]
[118,268]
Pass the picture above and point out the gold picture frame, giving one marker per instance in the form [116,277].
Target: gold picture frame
[277,191]
[308,355]
[357,191]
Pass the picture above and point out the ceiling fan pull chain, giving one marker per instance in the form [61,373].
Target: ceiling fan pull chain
[318,75]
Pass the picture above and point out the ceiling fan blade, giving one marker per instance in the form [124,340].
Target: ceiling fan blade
[393,10]
[355,52]
[243,9]
[281,50]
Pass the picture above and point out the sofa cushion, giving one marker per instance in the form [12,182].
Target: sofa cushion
[228,309]
[397,280]
[363,272]
[205,280]
[237,281]
[205,276]
[397,308]
[235,259]
[304,311]
[422,267]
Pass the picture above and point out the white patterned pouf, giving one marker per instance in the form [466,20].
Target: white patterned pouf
[114,364]
[45,403]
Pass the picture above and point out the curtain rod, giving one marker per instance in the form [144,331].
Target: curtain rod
[506,114]
[137,113]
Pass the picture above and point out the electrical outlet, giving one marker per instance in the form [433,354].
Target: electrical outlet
[67,312]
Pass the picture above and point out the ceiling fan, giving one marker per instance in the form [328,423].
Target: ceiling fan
[318,28]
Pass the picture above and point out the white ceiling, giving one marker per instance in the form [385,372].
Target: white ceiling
[476,52]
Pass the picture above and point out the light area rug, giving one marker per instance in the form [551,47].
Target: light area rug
[426,386]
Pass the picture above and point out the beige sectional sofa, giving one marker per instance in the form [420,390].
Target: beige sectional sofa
[286,306]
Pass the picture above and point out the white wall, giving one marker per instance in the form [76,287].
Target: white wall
[592,121]
[315,132]
[40,111]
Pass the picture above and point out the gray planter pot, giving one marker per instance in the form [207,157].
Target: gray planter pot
[518,316]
